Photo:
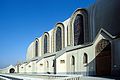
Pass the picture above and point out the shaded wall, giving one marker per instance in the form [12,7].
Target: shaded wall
[107,16]
[104,14]
[116,57]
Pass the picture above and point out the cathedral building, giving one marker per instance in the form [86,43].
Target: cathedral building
[87,43]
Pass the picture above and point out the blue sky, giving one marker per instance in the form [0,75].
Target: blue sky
[21,21]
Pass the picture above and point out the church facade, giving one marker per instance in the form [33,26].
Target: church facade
[87,43]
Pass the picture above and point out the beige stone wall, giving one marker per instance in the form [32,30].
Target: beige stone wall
[63,62]
[7,69]
[61,67]
[40,66]
[78,54]
[49,67]
[51,42]
[30,51]
[22,68]
[31,67]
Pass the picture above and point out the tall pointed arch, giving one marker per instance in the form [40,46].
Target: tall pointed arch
[59,37]
[46,43]
[78,28]
[36,47]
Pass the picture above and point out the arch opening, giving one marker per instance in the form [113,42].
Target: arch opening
[73,64]
[103,58]
[36,48]
[85,58]
[78,30]
[45,44]
[12,70]
[58,39]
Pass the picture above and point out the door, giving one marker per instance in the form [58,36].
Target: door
[103,61]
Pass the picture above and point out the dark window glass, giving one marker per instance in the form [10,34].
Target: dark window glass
[58,39]
[36,48]
[73,60]
[85,58]
[45,44]
[78,30]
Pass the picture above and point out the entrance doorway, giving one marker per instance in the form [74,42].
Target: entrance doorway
[12,70]
[103,58]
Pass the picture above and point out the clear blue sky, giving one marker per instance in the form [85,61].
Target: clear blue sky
[23,20]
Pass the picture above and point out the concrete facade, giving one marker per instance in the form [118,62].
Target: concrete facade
[100,45]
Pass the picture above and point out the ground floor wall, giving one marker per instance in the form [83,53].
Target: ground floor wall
[81,60]
[22,68]
[72,62]
[31,67]
[45,65]
[61,64]
[49,64]
[41,66]
[9,69]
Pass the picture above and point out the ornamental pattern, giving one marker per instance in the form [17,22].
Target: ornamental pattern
[58,39]
[78,30]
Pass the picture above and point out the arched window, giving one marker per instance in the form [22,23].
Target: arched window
[45,44]
[85,58]
[36,48]
[47,64]
[58,39]
[78,30]
[73,60]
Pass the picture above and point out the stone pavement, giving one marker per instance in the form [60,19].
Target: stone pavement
[47,77]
